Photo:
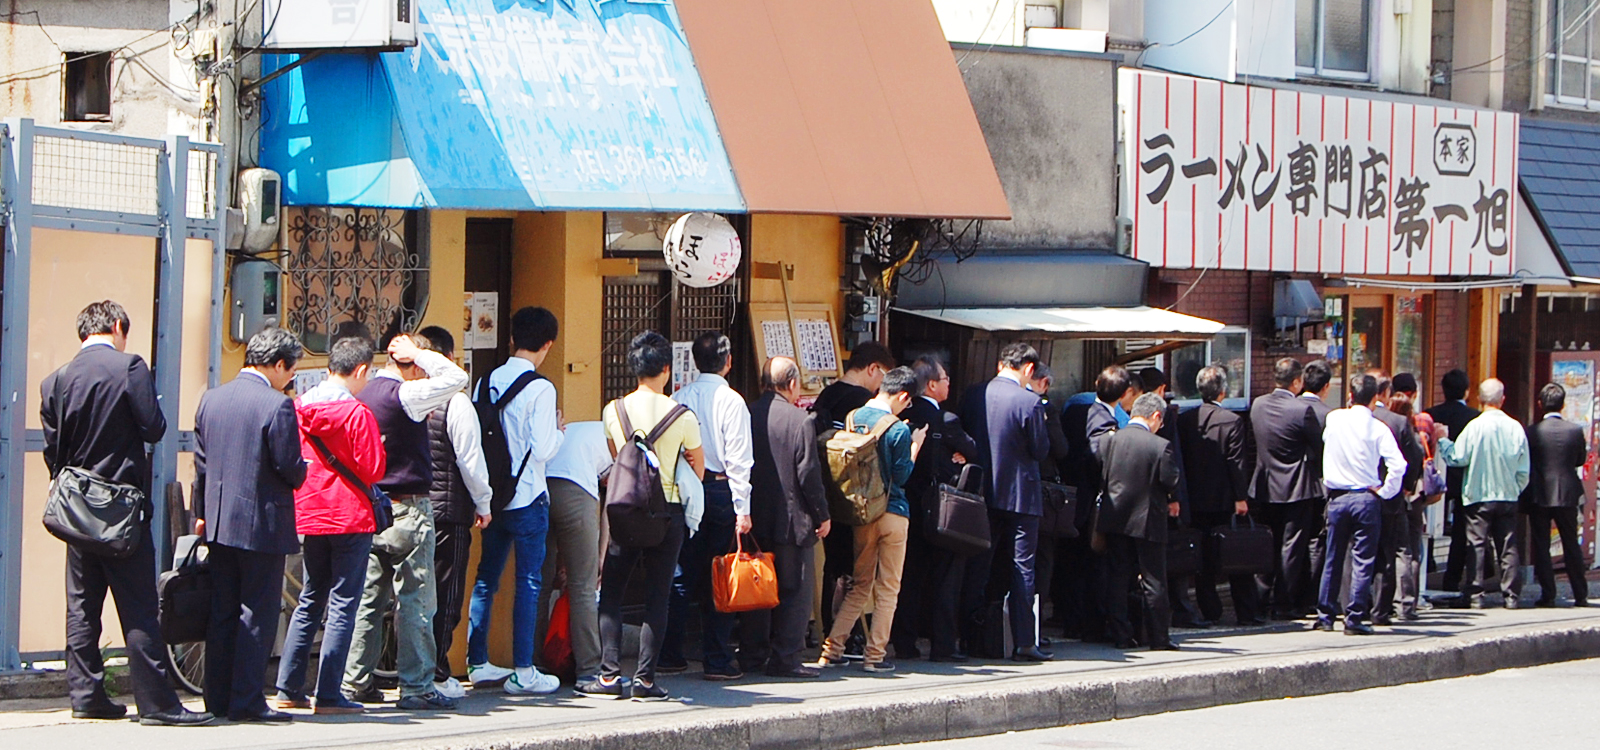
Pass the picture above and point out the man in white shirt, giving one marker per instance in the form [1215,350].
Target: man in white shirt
[575,476]
[1354,445]
[532,423]
[725,435]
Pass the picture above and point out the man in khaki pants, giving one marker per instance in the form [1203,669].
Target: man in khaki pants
[880,546]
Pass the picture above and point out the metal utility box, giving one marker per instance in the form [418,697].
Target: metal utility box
[256,291]
[306,25]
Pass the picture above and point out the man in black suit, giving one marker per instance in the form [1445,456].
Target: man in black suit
[247,466]
[1393,531]
[789,513]
[1086,426]
[98,411]
[1184,613]
[1213,448]
[1454,413]
[1554,495]
[1286,485]
[1013,443]
[1316,379]
[1141,492]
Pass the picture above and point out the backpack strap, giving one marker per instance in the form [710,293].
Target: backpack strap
[883,425]
[665,423]
[622,419]
[523,381]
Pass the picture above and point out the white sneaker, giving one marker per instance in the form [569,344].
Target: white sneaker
[530,681]
[487,674]
[450,688]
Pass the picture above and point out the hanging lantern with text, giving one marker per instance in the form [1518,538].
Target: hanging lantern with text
[702,249]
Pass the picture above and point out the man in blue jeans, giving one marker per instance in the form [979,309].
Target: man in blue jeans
[532,425]
[1354,444]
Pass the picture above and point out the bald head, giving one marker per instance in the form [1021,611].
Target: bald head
[1492,392]
[781,375]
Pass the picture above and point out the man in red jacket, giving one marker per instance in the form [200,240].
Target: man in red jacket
[334,516]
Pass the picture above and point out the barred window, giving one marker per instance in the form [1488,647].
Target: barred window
[353,271]
[1573,57]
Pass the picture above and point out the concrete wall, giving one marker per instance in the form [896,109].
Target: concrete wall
[1048,120]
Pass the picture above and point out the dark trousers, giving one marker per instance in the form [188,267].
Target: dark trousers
[943,600]
[838,560]
[1241,587]
[452,549]
[911,612]
[1292,526]
[335,572]
[1016,540]
[1145,559]
[691,584]
[974,597]
[1391,539]
[659,563]
[1492,538]
[1080,605]
[1566,522]
[1406,584]
[772,639]
[1355,521]
[244,626]
[1456,563]
[132,583]
[1316,553]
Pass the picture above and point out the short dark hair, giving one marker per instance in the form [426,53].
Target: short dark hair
[1552,397]
[101,318]
[532,328]
[928,369]
[1285,371]
[782,379]
[1384,384]
[867,354]
[1211,382]
[1455,384]
[1315,376]
[271,346]
[438,339]
[1363,389]
[900,380]
[711,351]
[649,354]
[349,353]
[1405,382]
[1151,378]
[1017,355]
[1112,383]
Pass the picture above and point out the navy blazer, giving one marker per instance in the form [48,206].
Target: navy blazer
[1015,441]
[98,411]
[247,465]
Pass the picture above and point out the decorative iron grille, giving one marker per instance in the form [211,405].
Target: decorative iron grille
[353,271]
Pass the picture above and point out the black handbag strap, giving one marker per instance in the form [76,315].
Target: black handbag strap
[338,466]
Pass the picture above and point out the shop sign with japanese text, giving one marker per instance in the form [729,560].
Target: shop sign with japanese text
[1231,176]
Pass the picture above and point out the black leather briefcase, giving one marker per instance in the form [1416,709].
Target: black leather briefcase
[185,594]
[1183,552]
[1060,511]
[959,520]
[1240,549]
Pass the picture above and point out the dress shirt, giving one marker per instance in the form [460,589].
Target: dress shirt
[466,437]
[420,397]
[530,428]
[724,432]
[325,392]
[252,371]
[1352,445]
[584,457]
[1494,450]
[1088,397]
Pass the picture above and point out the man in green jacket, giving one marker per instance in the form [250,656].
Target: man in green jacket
[1494,451]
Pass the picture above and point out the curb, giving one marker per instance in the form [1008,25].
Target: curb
[1060,701]
[53,684]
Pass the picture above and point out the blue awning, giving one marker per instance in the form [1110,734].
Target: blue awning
[505,104]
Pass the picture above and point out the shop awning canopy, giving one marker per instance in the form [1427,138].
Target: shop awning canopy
[1079,322]
[1560,168]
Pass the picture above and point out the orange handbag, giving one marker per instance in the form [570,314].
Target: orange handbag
[743,581]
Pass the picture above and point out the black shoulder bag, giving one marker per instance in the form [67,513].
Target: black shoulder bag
[382,507]
[92,513]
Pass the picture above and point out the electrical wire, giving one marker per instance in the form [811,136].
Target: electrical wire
[1555,43]
[23,74]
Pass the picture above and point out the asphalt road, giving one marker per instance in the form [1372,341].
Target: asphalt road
[1548,707]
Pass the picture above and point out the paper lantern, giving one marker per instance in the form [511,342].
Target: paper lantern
[702,249]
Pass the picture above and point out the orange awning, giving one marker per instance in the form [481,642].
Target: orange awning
[848,107]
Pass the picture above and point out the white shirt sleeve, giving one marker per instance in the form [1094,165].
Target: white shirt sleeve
[546,434]
[465,436]
[733,423]
[445,379]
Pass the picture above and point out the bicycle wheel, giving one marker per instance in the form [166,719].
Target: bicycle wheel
[189,666]
[386,672]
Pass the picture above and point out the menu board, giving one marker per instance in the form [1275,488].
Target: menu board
[819,344]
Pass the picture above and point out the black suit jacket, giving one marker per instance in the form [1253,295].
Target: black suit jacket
[247,465]
[1556,450]
[1455,415]
[935,462]
[1406,437]
[1288,440]
[1141,478]
[1213,452]
[98,411]
[1016,443]
[787,503]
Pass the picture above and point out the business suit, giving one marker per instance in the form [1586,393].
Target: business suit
[1017,443]
[1213,451]
[1396,526]
[1141,478]
[1084,570]
[1455,415]
[1317,549]
[247,466]
[98,411]
[1555,495]
[787,505]
[1285,488]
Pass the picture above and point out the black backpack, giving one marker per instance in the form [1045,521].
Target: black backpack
[503,475]
[636,503]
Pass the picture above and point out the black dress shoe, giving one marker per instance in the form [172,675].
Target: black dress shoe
[1126,643]
[267,716]
[107,711]
[1031,654]
[1383,620]
[1251,622]
[1545,604]
[1168,646]
[177,717]
[800,672]
[1357,628]
[1193,624]
[953,658]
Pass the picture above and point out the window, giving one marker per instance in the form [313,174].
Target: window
[1333,38]
[1230,350]
[352,271]
[1571,60]
[637,234]
[86,87]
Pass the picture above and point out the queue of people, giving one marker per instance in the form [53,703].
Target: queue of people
[380,477]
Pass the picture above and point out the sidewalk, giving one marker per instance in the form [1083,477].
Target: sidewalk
[848,708]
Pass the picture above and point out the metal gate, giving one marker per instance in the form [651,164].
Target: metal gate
[171,190]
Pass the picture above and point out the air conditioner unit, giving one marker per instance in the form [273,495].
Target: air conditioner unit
[306,25]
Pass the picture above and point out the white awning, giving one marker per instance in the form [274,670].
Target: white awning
[1079,322]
